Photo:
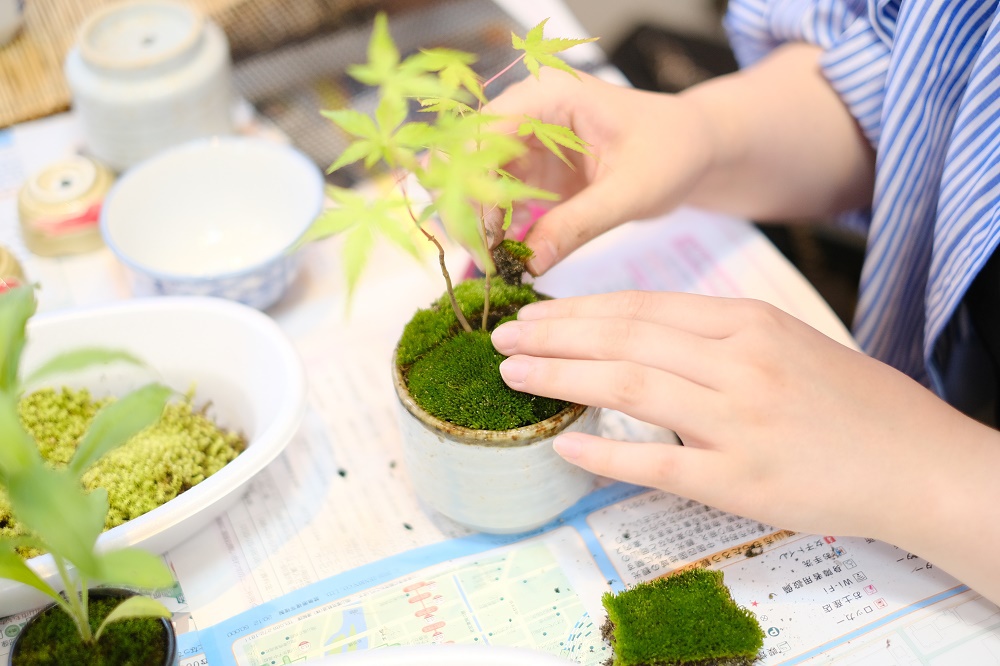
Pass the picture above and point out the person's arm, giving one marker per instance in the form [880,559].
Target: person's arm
[780,423]
[783,144]
[773,141]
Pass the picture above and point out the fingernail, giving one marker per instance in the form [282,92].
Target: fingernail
[568,446]
[515,370]
[505,337]
[545,255]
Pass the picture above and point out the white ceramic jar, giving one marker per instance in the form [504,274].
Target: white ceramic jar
[148,75]
[501,482]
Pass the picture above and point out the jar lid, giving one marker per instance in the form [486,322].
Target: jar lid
[136,36]
[59,207]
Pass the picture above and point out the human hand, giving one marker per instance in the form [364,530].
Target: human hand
[780,423]
[648,151]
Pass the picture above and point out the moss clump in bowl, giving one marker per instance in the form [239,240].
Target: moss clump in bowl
[455,375]
[183,448]
[687,619]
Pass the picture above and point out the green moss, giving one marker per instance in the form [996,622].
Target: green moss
[517,249]
[459,381]
[176,453]
[455,375]
[685,619]
[52,639]
[510,258]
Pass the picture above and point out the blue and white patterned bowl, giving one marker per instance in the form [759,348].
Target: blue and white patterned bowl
[216,217]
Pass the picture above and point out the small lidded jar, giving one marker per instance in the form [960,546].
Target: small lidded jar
[59,207]
[148,75]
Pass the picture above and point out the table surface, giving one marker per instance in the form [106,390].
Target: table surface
[332,529]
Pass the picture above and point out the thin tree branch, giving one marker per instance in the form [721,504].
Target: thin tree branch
[444,269]
[503,71]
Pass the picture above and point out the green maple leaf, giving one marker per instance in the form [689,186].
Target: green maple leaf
[453,68]
[540,51]
[375,141]
[514,190]
[397,80]
[363,219]
[367,145]
[554,136]
[385,70]
[445,105]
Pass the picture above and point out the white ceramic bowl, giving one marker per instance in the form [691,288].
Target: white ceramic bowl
[214,217]
[237,358]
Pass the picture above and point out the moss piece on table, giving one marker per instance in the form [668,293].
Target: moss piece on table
[685,619]
[459,381]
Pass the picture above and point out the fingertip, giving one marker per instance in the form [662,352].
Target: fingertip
[505,336]
[569,446]
[514,371]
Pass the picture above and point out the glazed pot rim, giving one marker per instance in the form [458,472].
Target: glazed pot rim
[515,437]
[170,657]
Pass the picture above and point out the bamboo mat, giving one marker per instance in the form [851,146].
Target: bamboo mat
[31,77]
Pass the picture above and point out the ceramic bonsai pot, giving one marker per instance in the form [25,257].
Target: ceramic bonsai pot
[168,635]
[496,481]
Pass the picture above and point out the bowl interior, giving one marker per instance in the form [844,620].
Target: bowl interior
[212,208]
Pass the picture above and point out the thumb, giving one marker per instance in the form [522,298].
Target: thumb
[571,223]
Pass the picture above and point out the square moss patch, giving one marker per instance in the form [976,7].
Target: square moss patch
[686,619]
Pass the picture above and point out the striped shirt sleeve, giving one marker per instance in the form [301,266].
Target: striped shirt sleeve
[855,36]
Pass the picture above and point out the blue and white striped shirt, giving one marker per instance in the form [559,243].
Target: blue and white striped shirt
[922,78]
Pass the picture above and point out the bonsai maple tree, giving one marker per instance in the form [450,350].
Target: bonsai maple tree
[457,155]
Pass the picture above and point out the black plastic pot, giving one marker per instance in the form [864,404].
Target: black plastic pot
[170,636]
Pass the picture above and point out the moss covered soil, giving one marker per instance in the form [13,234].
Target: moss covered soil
[687,619]
[52,639]
[454,375]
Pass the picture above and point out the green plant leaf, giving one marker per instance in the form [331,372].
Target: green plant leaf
[51,505]
[361,149]
[395,79]
[553,136]
[18,450]
[12,567]
[330,222]
[133,607]
[17,305]
[357,248]
[118,421]
[78,359]
[383,56]
[389,114]
[415,135]
[353,122]
[134,567]
[445,105]
[540,51]
[453,68]
[363,218]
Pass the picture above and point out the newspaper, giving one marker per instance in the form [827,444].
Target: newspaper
[330,551]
